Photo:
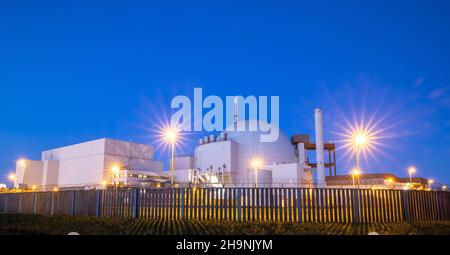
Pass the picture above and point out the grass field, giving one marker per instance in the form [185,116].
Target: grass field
[51,225]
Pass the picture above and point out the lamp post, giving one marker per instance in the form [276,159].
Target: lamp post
[22,162]
[411,171]
[256,163]
[355,174]
[430,182]
[115,169]
[359,140]
[12,178]
[170,136]
[390,181]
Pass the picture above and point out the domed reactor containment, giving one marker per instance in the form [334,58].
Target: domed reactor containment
[240,158]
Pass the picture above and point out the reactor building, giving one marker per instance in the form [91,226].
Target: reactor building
[240,159]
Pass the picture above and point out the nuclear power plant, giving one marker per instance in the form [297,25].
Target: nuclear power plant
[228,159]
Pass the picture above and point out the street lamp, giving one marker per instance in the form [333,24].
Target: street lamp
[390,181]
[359,140]
[411,170]
[115,169]
[430,181]
[355,174]
[256,163]
[22,162]
[171,135]
[12,178]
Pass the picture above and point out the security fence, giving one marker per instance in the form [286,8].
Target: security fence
[239,204]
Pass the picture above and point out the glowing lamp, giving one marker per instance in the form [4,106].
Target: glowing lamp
[360,139]
[12,177]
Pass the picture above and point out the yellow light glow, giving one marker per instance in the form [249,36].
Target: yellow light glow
[256,162]
[444,188]
[33,187]
[171,134]
[22,162]
[412,170]
[390,180]
[360,139]
[168,135]
[12,177]
[55,189]
[104,183]
[430,181]
[115,168]
[356,172]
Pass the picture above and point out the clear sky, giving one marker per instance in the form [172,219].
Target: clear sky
[72,71]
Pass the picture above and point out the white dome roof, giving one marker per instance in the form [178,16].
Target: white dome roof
[250,145]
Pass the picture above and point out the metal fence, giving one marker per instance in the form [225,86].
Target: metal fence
[239,204]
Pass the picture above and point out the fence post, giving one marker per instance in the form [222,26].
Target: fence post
[405,205]
[52,208]
[239,205]
[6,203]
[135,203]
[299,206]
[20,203]
[34,203]
[98,202]
[182,204]
[72,212]
[356,205]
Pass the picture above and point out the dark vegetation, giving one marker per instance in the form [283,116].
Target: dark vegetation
[13,224]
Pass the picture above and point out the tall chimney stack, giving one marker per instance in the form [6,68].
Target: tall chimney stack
[236,112]
[319,148]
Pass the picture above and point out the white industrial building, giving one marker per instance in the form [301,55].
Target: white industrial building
[92,164]
[226,160]
[219,161]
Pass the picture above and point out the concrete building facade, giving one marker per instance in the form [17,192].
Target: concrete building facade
[87,164]
[226,159]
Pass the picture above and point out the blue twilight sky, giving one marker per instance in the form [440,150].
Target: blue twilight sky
[72,71]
